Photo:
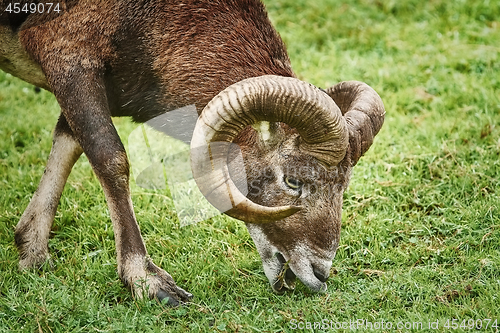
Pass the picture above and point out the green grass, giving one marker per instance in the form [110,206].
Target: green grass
[421,225]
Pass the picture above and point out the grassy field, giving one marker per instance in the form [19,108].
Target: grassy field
[421,223]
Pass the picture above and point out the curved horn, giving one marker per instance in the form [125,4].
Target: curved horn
[319,121]
[364,112]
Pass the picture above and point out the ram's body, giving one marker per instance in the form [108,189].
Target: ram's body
[144,58]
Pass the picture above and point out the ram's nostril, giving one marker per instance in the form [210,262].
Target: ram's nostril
[322,276]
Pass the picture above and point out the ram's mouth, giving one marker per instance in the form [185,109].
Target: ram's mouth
[285,280]
[284,266]
[311,276]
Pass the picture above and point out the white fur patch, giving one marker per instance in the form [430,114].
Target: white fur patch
[263,128]
[267,251]
[19,62]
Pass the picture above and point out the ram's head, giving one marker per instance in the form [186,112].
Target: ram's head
[298,144]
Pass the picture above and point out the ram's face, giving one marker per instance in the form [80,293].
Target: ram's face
[302,245]
[297,158]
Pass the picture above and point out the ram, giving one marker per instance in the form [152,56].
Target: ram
[141,59]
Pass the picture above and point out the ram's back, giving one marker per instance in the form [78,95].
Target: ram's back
[155,55]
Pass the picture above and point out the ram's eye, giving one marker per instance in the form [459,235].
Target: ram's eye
[293,183]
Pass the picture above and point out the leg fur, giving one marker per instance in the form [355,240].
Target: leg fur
[32,231]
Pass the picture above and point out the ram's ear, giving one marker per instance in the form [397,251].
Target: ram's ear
[364,112]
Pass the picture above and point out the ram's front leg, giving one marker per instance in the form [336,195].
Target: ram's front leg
[134,266]
[84,104]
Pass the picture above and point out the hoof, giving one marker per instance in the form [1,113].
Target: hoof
[166,298]
[151,281]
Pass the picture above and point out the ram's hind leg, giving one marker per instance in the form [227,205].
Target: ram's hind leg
[32,231]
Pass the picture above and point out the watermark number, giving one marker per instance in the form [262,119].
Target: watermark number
[471,324]
[40,8]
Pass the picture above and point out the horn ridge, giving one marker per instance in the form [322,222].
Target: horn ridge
[364,112]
